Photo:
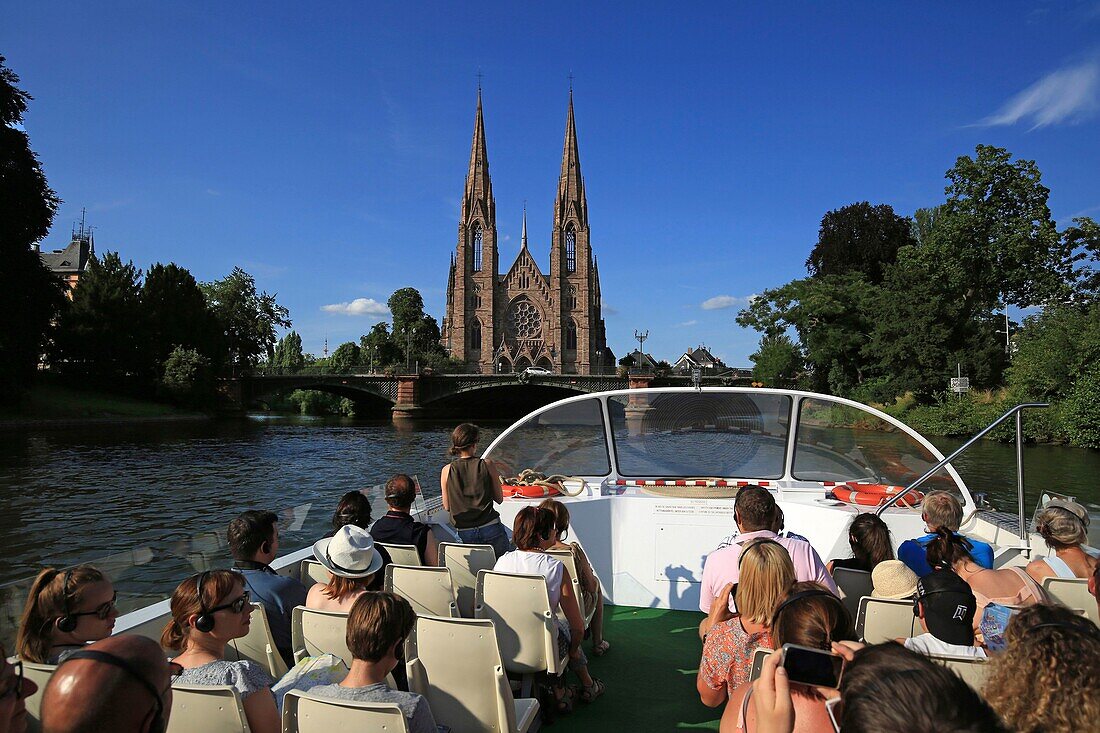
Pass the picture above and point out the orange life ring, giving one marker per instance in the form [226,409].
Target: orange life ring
[875,494]
[530,492]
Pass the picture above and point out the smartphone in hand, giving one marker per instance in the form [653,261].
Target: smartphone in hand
[810,666]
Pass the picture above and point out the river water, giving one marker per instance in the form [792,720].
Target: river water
[83,494]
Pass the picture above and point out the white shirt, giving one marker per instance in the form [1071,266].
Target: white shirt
[535,563]
[928,644]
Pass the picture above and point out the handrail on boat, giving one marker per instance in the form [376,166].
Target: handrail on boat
[1018,412]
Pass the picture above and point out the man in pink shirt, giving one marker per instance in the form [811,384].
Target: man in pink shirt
[754,511]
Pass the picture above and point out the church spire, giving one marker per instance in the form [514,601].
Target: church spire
[523,240]
[571,200]
[479,187]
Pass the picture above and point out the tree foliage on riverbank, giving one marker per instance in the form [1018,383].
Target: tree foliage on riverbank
[892,307]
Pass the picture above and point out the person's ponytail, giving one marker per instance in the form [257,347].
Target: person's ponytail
[945,550]
[35,636]
[172,637]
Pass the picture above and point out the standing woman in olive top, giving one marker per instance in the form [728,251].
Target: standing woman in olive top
[470,488]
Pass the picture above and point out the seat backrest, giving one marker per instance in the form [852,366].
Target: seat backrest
[206,709]
[312,570]
[519,607]
[456,664]
[973,671]
[40,675]
[306,713]
[403,554]
[1073,593]
[853,585]
[566,557]
[315,632]
[258,645]
[464,562]
[429,590]
[883,619]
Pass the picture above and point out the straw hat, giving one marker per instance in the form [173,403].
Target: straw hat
[893,579]
[349,553]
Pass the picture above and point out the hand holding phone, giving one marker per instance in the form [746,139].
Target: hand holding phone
[810,666]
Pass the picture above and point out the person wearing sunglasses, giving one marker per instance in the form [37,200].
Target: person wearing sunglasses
[14,690]
[121,684]
[65,610]
[209,610]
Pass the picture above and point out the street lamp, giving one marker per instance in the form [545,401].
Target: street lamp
[599,361]
[370,350]
[408,346]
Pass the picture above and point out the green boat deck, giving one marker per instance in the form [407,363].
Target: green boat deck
[650,675]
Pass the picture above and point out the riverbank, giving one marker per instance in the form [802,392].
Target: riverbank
[56,406]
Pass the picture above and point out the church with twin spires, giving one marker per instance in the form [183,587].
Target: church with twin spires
[523,318]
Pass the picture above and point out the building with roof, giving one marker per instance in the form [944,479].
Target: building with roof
[70,263]
[699,358]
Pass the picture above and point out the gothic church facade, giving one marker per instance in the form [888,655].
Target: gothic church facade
[504,323]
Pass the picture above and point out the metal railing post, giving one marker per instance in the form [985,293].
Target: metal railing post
[1020,477]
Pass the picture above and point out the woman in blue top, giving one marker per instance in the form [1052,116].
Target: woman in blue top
[941,510]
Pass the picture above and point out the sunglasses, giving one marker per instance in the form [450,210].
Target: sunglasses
[835,707]
[14,683]
[103,610]
[236,606]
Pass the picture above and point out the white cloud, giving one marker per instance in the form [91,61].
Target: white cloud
[687,323]
[1065,95]
[609,310]
[358,307]
[726,301]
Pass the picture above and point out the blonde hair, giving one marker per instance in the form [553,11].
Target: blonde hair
[766,575]
[942,509]
[1061,528]
[1046,678]
[52,595]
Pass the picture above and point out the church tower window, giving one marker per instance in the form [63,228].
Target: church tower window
[477,248]
[570,249]
[573,297]
[475,335]
[571,336]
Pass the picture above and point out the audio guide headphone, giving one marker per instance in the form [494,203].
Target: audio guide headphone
[67,623]
[205,621]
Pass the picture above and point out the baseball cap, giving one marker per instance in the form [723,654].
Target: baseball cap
[949,607]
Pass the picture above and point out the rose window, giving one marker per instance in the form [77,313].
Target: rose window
[524,320]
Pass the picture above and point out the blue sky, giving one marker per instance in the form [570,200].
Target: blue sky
[323,146]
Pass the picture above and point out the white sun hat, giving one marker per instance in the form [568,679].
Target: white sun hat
[349,553]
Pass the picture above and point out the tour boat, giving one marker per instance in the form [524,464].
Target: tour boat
[650,476]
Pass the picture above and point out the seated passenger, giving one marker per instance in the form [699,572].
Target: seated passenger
[1064,526]
[945,606]
[754,513]
[1045,680]
[14,690]
[1094,585]
[378,625]
[253,539]
[1007,586]
[533,534]
[869,538]
[590,584]
[208,611]
[810,616]
[893,579]
[351,561]
[354,509]
[397,526]
[777,527]
[941,510]
[729,640]
[122,684]
[65,610]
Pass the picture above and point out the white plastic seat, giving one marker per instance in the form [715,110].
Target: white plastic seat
[428,589]
[884,619]
[40,675]
[403,554]
[258,645]
[307,713]
[311,570]
[464,562]
[527,634]
[315,632]
[972,671]
[456,664]
[206,709]
[853,585]
[1073,593]
[566,557]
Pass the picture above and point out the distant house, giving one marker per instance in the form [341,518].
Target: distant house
[639,360]
[70,263]
[699,358]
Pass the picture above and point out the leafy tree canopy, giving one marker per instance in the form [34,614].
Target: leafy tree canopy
[345,357]
[288,353]
[176,315]
[859,238]
[777,361]
[247,318]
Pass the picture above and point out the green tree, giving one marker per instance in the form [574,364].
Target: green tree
[247,319]
[1082,242]
[176,315]
[406,308]
[1053,349]
[30,296]
[777,361]
[859,238]
[345,358]
[378,348]
[288,353]
[102,331]
[186,376]
[1082,409]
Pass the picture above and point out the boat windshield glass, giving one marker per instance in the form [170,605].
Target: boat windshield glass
[568,439]
[700,434]
[839,442]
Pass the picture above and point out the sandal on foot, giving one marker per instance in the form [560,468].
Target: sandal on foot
[598,650]
[565,702]
[591,692]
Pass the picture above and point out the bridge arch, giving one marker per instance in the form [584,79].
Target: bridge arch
[369,404]
[505,400]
